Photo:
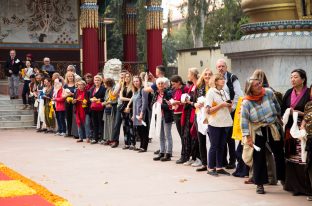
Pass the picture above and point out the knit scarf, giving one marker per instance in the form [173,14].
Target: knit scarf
[192,116]
[80,113]
[256,98]
[155,126]
[294,99]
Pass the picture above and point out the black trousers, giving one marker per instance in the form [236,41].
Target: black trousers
[202,148]
[260,172]
[97,118]
[69,117]
[229,146]
[25,92]
[142,132]
[177,120]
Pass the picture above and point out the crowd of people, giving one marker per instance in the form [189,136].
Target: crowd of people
[210,111]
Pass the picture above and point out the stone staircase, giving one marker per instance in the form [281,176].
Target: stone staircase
[11,115]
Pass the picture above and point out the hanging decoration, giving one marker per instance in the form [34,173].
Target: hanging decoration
[89,16]
[129,19]
[154,19]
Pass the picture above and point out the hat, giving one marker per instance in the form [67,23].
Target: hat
[29,55]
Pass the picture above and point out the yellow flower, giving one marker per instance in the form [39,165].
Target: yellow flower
[13,188]
[32,187]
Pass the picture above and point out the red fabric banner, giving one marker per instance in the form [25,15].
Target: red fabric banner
[90,51]
[154,49]
[130,47]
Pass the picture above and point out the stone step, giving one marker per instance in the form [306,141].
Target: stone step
[16,118]
[10,101]
[19,128]
[15,124]
[11,107]
[15,112]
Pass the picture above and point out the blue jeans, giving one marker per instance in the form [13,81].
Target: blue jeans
[60,117]
[82,131]
[87,126]
[13,84]
[217,137]
[165,137]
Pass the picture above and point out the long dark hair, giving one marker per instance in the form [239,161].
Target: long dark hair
[302,74]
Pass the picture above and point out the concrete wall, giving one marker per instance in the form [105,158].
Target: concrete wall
[193,57]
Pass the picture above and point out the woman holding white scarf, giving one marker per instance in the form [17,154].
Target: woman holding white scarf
[295,98]
[162,118]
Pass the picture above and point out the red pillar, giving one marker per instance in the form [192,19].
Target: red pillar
[154,26]
[154,50]
[90,45]
[129,32]
[90,51]
[130,47]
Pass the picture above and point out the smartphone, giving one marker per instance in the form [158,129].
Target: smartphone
[228,101]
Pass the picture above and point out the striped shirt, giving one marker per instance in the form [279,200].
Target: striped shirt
[266,112]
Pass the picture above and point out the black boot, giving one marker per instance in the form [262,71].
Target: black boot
[159,157]
[167,157]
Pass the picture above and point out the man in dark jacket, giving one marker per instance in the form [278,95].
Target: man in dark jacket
[12,68]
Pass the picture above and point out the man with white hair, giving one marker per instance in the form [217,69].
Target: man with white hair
[72,68]
[47,66]
[232,87]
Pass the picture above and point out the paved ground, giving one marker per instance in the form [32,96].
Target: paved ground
[97,175]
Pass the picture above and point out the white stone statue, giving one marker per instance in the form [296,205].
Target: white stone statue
[112,68]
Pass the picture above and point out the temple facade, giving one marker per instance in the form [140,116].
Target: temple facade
[74,31]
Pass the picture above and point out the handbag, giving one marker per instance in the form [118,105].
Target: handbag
[96,106]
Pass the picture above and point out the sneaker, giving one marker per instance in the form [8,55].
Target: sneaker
[309,198]
[94,141]
[197,163]
[57,134]
[188,163]
[260,189]
[102,142]
[62,134]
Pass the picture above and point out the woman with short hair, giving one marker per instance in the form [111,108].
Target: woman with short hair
[219,122]
[97,94]
[260,126]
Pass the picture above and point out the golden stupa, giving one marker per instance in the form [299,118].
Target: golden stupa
[276,10]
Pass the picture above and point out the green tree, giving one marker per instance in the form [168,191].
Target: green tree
[224,24]
[114,31]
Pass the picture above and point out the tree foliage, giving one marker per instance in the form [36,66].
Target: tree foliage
[224,24]
[114,31]
[178,39]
